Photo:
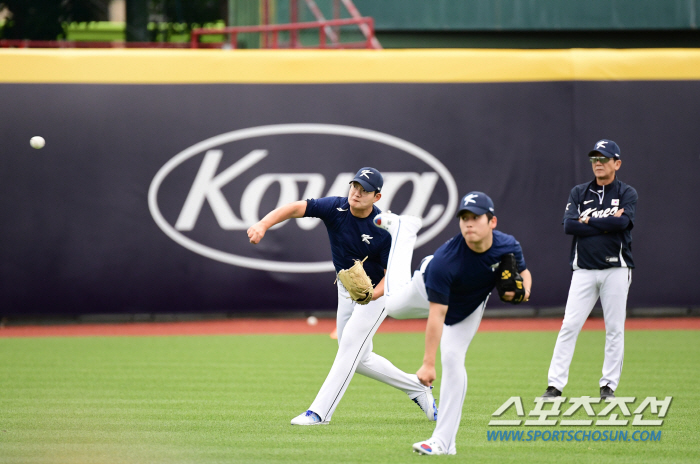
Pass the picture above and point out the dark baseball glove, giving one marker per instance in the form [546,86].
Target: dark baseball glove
[509,279]
[357,283]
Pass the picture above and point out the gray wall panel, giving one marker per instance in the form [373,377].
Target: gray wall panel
[78,236]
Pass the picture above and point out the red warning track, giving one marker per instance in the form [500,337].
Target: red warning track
[299,326]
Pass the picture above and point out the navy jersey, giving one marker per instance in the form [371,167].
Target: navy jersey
[462,279]
[604,249]
[352,237]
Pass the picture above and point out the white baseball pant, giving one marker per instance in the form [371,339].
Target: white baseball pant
[406,295]
[453,383]
[612,286]
[407,299]
[356,325]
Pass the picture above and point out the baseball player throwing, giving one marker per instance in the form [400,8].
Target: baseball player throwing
[451,289]
[354,239]
[600,216]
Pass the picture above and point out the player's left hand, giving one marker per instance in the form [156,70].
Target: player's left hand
[510,282]
[508,296]
[357,283]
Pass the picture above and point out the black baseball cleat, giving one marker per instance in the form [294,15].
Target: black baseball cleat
[606,392]
[551,392]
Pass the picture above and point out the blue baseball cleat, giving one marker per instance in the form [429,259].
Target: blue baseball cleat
[426,402]
[308,418]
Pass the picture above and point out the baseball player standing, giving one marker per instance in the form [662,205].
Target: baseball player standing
[353,236]
[600,216]
[451,289]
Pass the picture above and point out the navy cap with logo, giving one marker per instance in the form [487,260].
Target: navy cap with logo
[370,179]
[477,202]
[607,148]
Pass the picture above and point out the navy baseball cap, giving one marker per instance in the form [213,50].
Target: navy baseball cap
[477,202]
[607,148]
[370,179]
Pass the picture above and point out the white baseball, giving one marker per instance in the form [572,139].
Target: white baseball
[37,142]
[312,320]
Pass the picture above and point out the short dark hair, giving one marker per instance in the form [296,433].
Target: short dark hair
[375,192]
[489,215]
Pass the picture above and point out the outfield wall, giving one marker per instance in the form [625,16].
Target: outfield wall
[157,162]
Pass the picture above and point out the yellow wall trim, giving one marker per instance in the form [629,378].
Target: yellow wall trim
[131,66]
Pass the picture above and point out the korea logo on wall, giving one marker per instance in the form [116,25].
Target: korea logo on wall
[207,196]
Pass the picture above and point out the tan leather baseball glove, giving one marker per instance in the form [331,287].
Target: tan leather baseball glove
[357,283]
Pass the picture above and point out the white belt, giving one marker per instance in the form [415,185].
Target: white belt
[424,264]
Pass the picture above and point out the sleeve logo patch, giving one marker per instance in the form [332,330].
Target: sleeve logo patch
[615,202]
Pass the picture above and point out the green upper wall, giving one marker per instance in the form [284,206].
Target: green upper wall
[528,15]
[488,23]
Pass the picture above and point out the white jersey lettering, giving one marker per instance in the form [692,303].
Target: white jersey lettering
[592,212]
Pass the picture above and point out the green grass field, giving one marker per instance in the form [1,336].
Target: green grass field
[216,399]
